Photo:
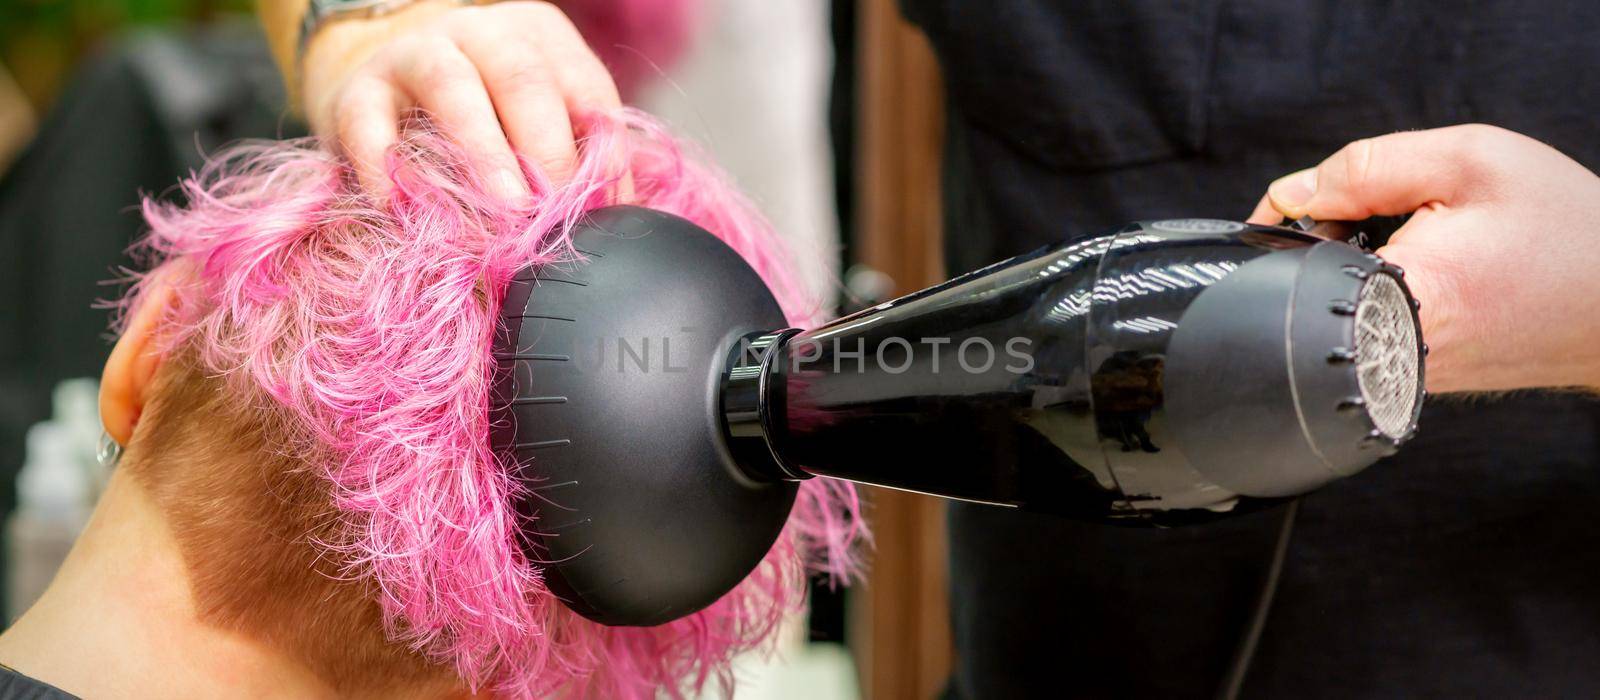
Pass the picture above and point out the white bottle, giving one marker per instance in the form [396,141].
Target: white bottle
[76,404]
[53,505]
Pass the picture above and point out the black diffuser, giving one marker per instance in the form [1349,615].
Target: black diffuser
[1170,372]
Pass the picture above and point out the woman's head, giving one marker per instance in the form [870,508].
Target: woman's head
[304,383]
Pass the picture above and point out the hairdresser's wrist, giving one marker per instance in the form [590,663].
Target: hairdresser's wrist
[1468,347]
[337,48]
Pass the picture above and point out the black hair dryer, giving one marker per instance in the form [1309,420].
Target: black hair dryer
[1169,372]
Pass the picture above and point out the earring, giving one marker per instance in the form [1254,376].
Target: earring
[109,453]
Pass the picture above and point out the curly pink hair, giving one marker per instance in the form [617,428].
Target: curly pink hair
[368,321]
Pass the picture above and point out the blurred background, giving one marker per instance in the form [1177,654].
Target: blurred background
[828,114]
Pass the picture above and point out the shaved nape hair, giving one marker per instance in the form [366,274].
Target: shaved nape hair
[244,510]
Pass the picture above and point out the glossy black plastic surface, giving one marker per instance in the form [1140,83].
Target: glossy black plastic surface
[1044,381]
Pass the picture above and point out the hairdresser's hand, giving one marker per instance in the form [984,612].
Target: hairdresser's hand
[1503,251]
[500,79]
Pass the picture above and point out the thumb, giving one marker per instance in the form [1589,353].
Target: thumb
[1383,176]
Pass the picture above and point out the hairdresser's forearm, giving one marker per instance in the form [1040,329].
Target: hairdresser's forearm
[281,21]
[337,45]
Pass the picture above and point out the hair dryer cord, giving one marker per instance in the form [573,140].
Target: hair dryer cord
[1234,681]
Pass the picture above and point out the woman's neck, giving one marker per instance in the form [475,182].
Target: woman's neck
[120,620]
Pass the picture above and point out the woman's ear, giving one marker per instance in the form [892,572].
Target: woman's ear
[133,363]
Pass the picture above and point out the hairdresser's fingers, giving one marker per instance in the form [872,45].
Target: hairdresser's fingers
[586,85]
[625,192]
[591,95]
[365,118]
[1387,175]
[446,84]
[1264,214]
[526,99]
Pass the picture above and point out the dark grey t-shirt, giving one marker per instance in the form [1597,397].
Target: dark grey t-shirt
[1469,564]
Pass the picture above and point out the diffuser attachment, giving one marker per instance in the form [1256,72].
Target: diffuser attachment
[607,404]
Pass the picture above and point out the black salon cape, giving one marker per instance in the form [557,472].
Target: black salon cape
[1466,566]
[15,686]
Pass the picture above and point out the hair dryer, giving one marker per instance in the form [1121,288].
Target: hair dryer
[1177,371]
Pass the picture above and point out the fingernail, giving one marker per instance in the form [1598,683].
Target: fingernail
[1295,189]
[512,186]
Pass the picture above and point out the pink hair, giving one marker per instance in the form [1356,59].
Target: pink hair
[369,321]
[636,39]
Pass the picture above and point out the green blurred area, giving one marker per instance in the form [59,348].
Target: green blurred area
[41,41]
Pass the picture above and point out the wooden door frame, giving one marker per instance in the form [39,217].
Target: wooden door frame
[900,618]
